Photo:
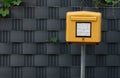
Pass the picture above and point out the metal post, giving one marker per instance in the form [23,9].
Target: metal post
[83,61]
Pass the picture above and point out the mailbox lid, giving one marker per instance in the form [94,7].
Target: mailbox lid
[84,13]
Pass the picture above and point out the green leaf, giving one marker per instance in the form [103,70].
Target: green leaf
[108,1]
[16,2]
[4,12]
[115,2]
[7,3]
[1,10]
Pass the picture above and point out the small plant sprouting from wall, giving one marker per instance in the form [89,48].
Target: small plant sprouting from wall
[53,40]
[6,4]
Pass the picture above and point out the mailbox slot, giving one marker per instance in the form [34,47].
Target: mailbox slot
[75,18]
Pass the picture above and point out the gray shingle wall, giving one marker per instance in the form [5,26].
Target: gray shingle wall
[27,49]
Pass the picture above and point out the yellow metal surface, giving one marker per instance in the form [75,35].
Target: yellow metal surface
[83,16]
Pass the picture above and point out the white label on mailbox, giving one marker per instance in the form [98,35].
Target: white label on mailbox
[83,29]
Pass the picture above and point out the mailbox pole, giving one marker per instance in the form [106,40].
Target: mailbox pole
[83,61]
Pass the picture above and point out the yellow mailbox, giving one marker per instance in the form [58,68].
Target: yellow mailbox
[83,27]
